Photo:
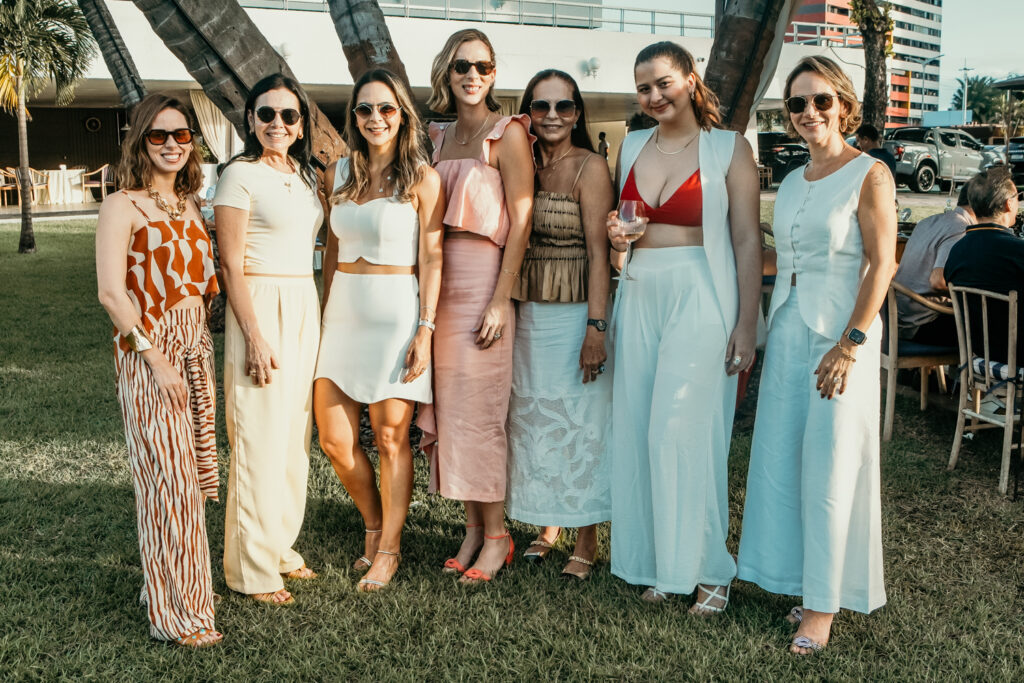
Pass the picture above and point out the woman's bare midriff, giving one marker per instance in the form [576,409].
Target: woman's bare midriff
[363,267]
[187,302]
[664,235]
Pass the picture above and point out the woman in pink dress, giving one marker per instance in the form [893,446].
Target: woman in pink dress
[486,167]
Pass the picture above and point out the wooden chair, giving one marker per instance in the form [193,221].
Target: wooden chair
[104,178]
[37,182]
[8,183]
[981,375]
[903,353]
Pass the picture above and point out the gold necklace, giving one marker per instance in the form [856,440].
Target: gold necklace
[657,136]
[162,204]
[552,163]
[455,132]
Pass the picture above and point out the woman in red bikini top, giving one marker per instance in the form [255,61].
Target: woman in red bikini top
[684,327]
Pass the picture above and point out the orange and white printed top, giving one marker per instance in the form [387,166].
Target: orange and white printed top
[167,261]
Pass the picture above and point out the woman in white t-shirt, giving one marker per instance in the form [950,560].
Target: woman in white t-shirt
[268,214]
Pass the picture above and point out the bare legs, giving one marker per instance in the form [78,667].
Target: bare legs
[493,550]
[337,418]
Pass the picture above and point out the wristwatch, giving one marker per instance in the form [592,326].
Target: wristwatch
[856,336]
[598,324]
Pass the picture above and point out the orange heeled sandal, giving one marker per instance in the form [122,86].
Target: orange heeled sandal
[472,576]
[452,565]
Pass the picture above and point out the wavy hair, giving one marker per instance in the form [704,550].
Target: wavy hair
[135,170]
[704,102]
[837,78]
[580,136]
[410,157]
[302,149]
[441,99]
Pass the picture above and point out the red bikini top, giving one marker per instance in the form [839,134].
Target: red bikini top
[684,207]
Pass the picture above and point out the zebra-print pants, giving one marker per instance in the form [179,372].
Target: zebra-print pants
[174,468]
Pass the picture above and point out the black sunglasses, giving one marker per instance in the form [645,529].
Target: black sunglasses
[822,102]
[288,116]
[562,107]
[364,110]
[462,67]
[182,136]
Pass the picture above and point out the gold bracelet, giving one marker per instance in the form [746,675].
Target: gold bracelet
[138,340]
[509,272]
[846,354]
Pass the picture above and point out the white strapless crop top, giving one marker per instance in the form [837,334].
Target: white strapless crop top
[381,231]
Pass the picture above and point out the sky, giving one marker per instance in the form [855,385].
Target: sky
[988,34]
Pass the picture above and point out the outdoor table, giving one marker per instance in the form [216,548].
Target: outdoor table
[64,186]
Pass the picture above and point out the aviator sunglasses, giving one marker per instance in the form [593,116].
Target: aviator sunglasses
[822,102]
[364,110]
[562,107]
[288,116]
[157,137]
[462,67]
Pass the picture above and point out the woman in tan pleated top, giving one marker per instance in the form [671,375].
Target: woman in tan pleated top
[560,409]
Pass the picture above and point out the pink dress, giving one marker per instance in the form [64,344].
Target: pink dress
[464,429]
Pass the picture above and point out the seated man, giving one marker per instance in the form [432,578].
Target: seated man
[870,142]
[990,256]
[920,271]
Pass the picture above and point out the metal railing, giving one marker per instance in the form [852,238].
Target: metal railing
[824,34]
[557,13]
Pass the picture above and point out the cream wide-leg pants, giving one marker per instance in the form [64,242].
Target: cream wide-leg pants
[672,407]
[269,429]
[812,522]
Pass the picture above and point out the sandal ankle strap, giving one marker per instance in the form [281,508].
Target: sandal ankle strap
[495,538]
[373,531]
[581,560]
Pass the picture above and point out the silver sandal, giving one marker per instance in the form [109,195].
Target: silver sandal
[364,560]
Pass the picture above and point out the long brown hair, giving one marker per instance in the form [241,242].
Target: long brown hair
[441,99]
[410,156]
[135,170]
[705,102]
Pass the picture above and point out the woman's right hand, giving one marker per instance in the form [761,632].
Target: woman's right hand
[618,240]
[259,359]
[170,385]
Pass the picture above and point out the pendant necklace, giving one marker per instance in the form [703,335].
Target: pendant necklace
[175,214]
[657,137]
[455,132]
[552,163]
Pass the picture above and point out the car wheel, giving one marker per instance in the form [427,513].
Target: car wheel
[924,179]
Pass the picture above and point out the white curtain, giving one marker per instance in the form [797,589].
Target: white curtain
[218,133]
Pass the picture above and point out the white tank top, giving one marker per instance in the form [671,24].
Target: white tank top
[381,231]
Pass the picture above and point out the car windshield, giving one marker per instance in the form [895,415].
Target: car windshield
[909,134]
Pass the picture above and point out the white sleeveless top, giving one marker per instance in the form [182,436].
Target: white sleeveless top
[381,231]
[817,236]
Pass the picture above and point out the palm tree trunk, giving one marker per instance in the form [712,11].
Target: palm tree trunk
[115,54]
[365,38]
[874,23]
[27,242]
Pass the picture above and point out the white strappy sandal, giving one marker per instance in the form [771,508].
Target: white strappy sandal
[704,607]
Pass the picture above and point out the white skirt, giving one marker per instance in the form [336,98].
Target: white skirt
[368,324]
[558,427]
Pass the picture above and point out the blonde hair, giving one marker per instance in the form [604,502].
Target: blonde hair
[410,157]
[440,84]
[835,77]
[135,170]
[704,102]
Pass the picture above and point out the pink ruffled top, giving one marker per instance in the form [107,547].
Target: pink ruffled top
[473,188]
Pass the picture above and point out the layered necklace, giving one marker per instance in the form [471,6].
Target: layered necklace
[455,131]
[551,163]
[174,213]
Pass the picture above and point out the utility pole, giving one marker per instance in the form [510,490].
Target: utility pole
[965,69]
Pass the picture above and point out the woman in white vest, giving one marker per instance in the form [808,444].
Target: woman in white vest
[684,328]
[812,523]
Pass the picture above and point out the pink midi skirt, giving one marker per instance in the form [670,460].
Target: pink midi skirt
[464,430]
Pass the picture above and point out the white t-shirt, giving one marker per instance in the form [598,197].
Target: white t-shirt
[285,216]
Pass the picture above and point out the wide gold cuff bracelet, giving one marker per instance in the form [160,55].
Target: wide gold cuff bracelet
[138,340]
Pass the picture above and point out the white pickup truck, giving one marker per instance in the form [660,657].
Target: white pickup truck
[926,156]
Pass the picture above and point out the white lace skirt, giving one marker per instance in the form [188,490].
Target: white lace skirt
[558,471]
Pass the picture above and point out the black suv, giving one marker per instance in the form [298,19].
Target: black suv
[780,153]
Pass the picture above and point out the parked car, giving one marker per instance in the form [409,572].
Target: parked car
[995,155]
[926,156]
[781,154]
[1016,149]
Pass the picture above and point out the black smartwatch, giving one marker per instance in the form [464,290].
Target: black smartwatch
[856,336]
[596,323]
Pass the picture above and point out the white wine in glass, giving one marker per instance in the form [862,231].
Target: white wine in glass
[632,222]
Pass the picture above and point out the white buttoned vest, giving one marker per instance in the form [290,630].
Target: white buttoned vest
[817,236]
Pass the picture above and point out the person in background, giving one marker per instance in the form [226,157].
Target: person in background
[486,167]
[921,271]
[602,144]
[155,269]
[990,256]
[268,215]
[812,523]
[870,142]
[560,412]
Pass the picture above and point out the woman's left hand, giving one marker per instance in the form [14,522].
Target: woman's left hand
[417,358]
[833,372]
[739,352]
[592,355]
[492,323]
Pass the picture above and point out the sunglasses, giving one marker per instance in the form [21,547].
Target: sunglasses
[182,136]
[364,110]
[562,107]
[289,117]
[462,67]
[822,102]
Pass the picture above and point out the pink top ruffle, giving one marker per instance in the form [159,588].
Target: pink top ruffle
[473,188]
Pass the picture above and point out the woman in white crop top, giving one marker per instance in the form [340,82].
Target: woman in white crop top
[382,275]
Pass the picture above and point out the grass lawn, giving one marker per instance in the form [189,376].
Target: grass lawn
[70,572]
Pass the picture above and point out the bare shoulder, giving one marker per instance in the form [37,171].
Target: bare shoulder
[430,181]
[742,147]
[595,170]
[878,183]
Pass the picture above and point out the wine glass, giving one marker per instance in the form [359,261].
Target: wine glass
[632,222]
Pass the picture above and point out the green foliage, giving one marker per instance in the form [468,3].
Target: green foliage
[982,98]
[873,17]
